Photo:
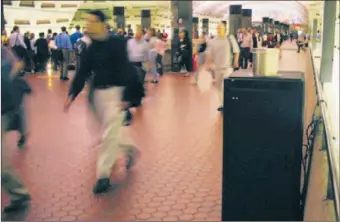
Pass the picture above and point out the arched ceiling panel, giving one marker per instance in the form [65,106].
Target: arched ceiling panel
[293,11]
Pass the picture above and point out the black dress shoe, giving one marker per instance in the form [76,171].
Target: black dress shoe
[131,157]
[102,186]
[136,103]
[127,123]
[220,109]
[128,118]
[64,78]
[18,204]
[21,142]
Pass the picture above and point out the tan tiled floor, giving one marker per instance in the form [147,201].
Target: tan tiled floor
[178,177]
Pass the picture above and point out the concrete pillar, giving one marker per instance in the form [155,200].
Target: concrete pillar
[328,34]
[119,17]
[146,19]
[225,24]
[270,22]
[205,25]
[283,28]
[280,27]
[195,21]
[2,16]
[246,18]
[181,12]
[235,18]
[314,33]
[276,26]
[265,24]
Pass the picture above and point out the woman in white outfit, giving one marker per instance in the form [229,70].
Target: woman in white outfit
[202,45]
[152,39]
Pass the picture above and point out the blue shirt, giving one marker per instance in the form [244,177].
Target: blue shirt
[63,41]
[112,33]
[75,36]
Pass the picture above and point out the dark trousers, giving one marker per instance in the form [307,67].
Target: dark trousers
[32,61]
[300,45]
[159,64]
[244,57]
[78,57]
[185,62]
[140,66]
[54,59]
[41,62]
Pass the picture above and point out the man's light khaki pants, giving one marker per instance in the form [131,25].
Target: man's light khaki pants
[220,74]
[110,116]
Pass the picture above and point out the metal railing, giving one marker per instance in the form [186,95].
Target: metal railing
[333,158]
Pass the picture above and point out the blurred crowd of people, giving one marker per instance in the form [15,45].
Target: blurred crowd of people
[114,64]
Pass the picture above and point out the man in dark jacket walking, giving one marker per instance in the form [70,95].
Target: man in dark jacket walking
[9,181]
[113,75]
[42,52]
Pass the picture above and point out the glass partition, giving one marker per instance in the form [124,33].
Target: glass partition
[331,94]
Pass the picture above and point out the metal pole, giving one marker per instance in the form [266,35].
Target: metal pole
[2,16]
[328,32]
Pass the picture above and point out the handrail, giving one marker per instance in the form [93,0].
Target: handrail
[334,171]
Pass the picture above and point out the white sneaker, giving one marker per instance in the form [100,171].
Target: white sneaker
[194,82]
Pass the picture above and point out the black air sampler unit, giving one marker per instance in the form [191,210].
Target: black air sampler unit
[262,148]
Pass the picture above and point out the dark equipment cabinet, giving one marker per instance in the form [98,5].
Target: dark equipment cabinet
[262,147]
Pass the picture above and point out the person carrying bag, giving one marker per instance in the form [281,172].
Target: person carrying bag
[19,50]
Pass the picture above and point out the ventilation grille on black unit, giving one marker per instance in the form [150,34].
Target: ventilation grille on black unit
[262,149]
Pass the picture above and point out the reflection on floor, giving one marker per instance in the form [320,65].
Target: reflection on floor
[178,177]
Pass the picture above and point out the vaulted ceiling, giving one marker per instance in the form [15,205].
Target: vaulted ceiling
[290,11]
[284,11]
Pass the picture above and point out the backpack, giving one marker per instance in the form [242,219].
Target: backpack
[80,46]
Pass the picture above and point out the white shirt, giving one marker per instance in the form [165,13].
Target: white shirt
[221,51]
[87,40]
[137,50]
[17,39]
[152,43]
[34,48]
[301,37]
[52,44]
